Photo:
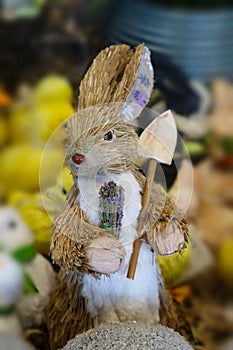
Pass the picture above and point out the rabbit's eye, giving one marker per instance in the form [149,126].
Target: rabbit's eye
[63,191]
[12,224]
[109,136]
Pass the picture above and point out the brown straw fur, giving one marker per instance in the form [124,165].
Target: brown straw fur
[110,77]
[67,313]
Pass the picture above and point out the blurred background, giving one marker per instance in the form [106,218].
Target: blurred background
[46,47]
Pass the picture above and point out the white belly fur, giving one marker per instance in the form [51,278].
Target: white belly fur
[117,298]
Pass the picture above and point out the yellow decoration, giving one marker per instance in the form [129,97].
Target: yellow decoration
[38,112]
[48,116]
[65,180]
[173,266]
[53,198]
[20,166]
[225,263]
[52,88]
[39,218]
[20,124]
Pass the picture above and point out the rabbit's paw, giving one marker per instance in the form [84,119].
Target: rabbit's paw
[105,255]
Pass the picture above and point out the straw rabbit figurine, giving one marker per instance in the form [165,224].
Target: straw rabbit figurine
[92,286]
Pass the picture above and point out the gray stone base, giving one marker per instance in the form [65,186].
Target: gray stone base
[130,336]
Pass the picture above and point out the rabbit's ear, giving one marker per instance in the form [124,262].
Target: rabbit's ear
[118,74]
[140,92]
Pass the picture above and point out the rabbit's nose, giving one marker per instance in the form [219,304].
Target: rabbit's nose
[78,158]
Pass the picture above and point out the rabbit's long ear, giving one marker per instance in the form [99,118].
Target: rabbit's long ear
[140,91]
[118,74]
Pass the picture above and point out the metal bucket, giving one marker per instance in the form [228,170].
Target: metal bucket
[200,42]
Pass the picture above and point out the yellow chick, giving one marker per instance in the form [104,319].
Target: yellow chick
[37,112]
[20,166]
[65,181]
[20,116]
[39,209]
[52,88]
[37,219]
[52,105]
[20,124]
[173,266]
[48,116]
[53,198]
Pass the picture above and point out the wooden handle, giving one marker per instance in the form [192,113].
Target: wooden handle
[142,217]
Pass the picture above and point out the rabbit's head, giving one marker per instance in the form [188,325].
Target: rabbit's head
[114,91]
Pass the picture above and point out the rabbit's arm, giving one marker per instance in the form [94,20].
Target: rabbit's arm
[166,229]
[77,245]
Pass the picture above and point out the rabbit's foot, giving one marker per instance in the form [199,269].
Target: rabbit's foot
[105,255]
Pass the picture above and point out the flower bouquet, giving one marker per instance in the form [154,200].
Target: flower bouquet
[111,202]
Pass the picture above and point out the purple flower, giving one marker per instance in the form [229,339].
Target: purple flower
[111,202]
[140,97]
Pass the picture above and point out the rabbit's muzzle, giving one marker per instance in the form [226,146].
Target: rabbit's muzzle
[78,158]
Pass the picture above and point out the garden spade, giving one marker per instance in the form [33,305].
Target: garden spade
[157,143]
